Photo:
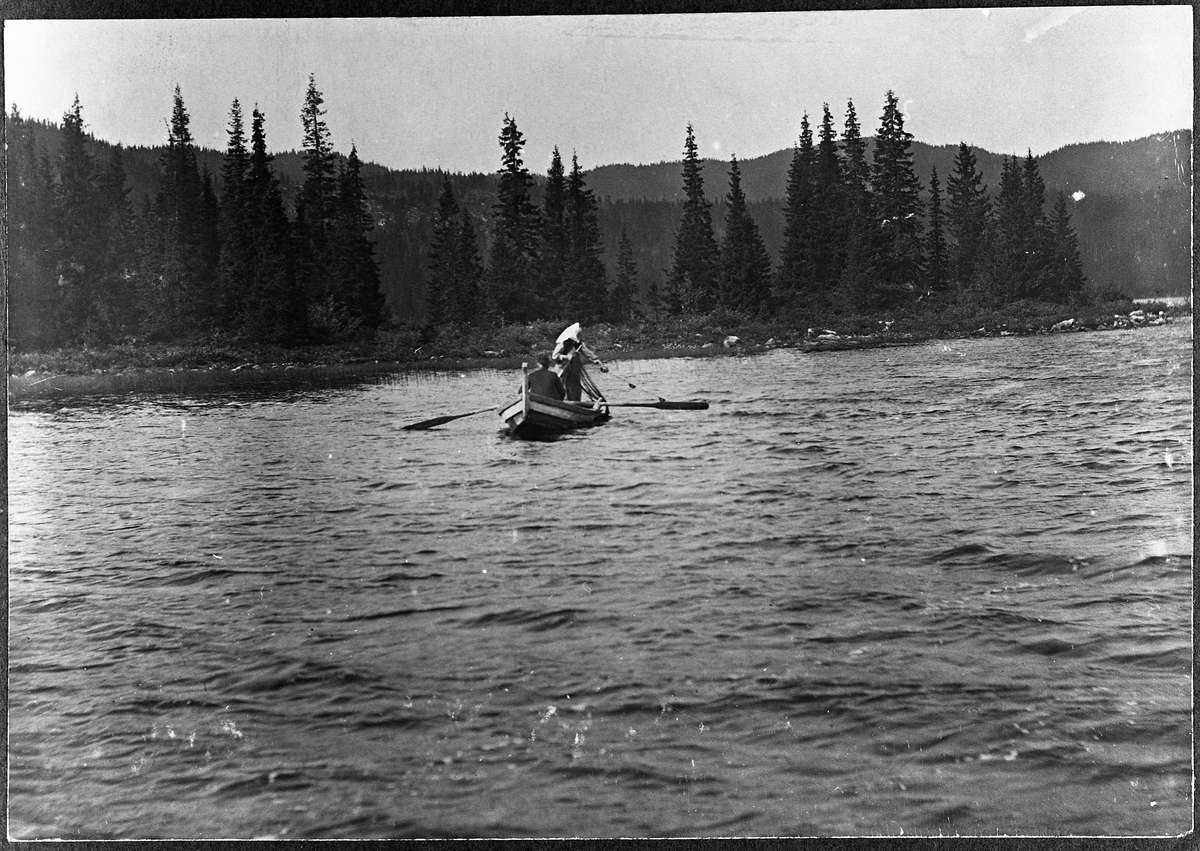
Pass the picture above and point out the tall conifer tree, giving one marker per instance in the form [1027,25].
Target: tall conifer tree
[897,206]
[745,264]
[587,278]
[555,247]
[1003,273]
[693,282]
[1065,281]
[857,228]
[278,303]
[794,280]
[936,262]
[237,250]
[178,290]
[355,272]
[514,260]
[315,207]
[828,209]
[1037,237]
[966,226]
[77,230]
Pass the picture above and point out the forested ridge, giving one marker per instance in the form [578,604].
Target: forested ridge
[174,242]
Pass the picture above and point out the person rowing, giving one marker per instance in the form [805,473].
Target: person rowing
[571,354]
[544,381]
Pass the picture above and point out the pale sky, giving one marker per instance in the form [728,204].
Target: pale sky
[433,91]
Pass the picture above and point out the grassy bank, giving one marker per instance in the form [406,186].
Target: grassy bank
[219,365]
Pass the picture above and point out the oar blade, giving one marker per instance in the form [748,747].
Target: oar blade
[424,424]
[437,421]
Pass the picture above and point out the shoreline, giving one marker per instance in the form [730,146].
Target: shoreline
[216,367]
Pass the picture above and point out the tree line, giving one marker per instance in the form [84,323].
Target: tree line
[544,260]
[88,268]
[858,237]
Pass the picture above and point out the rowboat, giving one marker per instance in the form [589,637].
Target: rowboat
[534,416]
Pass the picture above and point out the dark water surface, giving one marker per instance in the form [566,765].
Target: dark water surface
[934,590]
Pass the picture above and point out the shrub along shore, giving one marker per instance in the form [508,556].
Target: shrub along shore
[217,364]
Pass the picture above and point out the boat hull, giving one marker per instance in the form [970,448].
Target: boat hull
[537,416]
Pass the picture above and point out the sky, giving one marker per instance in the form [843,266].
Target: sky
[433,92]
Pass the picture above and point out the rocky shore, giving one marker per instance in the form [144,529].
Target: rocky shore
[218,365]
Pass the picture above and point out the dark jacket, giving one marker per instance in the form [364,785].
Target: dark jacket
[543,382]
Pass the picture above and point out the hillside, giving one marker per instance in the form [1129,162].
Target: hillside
[1154,162]
[1134,221]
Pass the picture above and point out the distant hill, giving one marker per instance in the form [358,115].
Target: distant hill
[1162,161]
[1134,220]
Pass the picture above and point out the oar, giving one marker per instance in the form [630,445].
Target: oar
[437,421]
[663,404]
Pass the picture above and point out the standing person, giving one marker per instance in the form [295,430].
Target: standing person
[544,381]
[572,353]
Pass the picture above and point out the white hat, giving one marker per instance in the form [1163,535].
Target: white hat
[571,333]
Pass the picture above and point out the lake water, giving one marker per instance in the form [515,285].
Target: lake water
[944,589]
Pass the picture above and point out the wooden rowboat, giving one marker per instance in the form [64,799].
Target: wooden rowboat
[534,416]
[538,416]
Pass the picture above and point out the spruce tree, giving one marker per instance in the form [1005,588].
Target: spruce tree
[514,259]
[176,306]
[587,278]
[77,231]
[555,300]
[355,272]
[278,305]
[315,206]
[936,261]
[828,209]
[966,226]
[897,207]
[745,264]
[1003,275]
[694,278]
[794,280]
[1066,280]
[236,260]
[1036,236]
[857,228]
[856,174]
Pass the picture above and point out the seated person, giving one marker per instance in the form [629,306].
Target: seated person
[543,381]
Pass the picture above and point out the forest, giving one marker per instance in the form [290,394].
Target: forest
[181,244]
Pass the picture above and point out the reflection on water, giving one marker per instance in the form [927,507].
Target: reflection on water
[936,590]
